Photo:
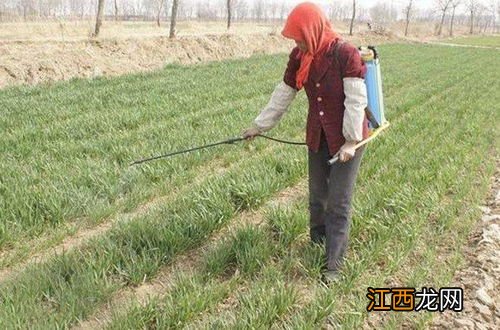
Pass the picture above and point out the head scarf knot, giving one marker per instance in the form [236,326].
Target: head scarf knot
[308,23]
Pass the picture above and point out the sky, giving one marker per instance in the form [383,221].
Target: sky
[420,3]
[423,4]
[369,3]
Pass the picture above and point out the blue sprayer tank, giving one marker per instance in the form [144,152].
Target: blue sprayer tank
[373,81]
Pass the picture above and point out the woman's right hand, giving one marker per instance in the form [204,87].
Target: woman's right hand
[250,133]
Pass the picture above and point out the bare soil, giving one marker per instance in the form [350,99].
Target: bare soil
[480,277]
[33,53]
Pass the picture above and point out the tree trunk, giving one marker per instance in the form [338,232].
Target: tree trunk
[451,23]
[486,25]
[353,16]
[173,19]
[442,22]
[471,22]
[116,10]
[100,13]
[408,13]
[228,14]
[160,7]
[166,9]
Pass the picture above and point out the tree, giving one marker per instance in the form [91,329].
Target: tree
[498,14]
[273,9]
[52,7]
[229,14]
[116,10]
[482,19]
[160,4]
[353,16]
[340,10]
[78,8]
[240,9]
[283,10]
[472,7]
[166,8]
[25,6]
[258,10]
[408,12]
[443,6]
[383,13]
[454,5]
[148,8]
[206,11]
[100,13]
[173,19]
[495,10]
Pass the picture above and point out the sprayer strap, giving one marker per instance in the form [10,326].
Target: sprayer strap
[336,55]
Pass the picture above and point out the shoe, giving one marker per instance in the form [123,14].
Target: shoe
[330,276]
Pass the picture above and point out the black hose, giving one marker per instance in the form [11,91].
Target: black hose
[283,141]
[229,141]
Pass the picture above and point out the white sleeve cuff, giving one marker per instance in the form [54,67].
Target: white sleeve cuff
[355,104]
[281,98]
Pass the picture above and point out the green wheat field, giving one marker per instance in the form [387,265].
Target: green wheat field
[219,238]
[483,41]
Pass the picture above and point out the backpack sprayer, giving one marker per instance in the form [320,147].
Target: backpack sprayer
[374,111]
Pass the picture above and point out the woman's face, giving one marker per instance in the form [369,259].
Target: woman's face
[302,45]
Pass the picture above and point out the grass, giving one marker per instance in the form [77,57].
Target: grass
[250,258]
[91,130]
[487,41]
[416,194]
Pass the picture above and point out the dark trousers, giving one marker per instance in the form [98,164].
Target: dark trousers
[330,195]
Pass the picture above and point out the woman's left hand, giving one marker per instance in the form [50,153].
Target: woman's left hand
[347,151]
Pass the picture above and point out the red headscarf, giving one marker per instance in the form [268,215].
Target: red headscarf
[308,23]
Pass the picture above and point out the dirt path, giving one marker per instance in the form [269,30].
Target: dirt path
[480,277]
[460,45]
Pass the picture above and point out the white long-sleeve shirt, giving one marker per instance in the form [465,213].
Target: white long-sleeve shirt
[355,104]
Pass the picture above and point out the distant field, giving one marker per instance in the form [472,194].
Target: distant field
[65,30]
[65,152]
[489,41]
[81,30]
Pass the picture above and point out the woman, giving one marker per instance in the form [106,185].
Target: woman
[332,74]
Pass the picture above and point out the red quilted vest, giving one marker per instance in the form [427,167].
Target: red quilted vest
[325,92]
